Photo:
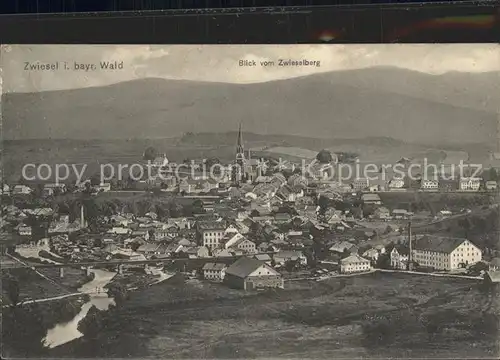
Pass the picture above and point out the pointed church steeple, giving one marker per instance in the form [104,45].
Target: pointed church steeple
[239,170]
[240,151]
[239,147]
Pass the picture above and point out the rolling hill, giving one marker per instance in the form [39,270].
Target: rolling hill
[407,106]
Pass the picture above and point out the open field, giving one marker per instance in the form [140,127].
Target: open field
[205,145]
[73,277]
[436,201]
[32,285]
[372,315]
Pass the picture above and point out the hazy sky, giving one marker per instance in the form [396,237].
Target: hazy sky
[220,62]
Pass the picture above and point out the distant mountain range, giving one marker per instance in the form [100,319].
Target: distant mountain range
[377,102]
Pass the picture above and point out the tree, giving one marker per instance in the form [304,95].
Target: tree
[118,292]
[11,285]
[37,191]
[465,224]
[324,157]
[323,204]
[92,211]
[291,265]
[22,327]
[384,261]
[256,231]
[95,180]
[150,154]
[493,174]
[198,207]
[254,213]
[98,242]
[211,162]
[368,210]
[388,229]
[345,253]
[134,246]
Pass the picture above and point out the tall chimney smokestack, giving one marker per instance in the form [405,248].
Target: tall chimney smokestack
[410,255]
[82,217]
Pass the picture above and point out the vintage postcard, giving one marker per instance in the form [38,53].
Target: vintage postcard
[237,201]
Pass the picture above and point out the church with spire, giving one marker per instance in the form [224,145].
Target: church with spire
[246,168]
[239,172]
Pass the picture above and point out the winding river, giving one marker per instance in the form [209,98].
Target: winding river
[68,331]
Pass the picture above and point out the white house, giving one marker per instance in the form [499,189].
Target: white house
[5,189]
[470,184]
[354,263]
[444,253]
[399,214]
[396,184]
[21,189]
[160,161]
[360,184]
[119,230]
[429,185]
[281,257]
[371,199]
[214,271]
[211,233]
[399,257]
[244,245]
[491,185]
[371,254]
[24,230]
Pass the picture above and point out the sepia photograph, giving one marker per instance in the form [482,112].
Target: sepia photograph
[250,201]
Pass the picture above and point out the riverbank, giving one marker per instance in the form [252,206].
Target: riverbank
[24,328]
[67,331]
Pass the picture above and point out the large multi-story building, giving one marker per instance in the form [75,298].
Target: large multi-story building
[214,271]
[429,185]
[396,184]
[354,263]
[445,253]
[470,184]
[360,184]
[211,233]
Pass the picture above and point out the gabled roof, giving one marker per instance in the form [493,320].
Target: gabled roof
[354,258]
[283,216]
[370,197]
[438,243]
[494,276]
[495,262]
[244,267]
[399,211]
[262,257]
[341,246]
[148,248]
[212,225]
[241,240]
[214,266]
[402,249]
[288,254]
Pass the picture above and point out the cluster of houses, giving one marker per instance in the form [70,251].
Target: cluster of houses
[263,218]
[434,184]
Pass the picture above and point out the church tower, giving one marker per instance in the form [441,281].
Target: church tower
[240,159]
